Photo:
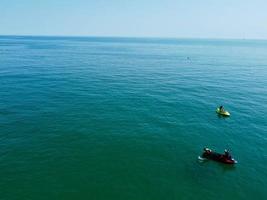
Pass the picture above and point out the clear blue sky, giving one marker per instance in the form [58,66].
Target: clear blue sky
[155,18]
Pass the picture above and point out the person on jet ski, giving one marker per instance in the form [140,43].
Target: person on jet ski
[227,154]
[221,109]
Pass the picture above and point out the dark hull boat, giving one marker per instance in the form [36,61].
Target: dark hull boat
[218,157]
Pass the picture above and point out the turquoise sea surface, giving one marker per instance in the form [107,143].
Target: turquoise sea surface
[127,118]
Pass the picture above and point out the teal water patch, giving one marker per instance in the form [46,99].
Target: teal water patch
[117,118]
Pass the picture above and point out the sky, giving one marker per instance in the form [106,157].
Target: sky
[242,19]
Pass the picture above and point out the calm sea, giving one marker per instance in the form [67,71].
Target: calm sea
[126,118]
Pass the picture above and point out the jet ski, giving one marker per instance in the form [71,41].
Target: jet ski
[223,113]
[223,158]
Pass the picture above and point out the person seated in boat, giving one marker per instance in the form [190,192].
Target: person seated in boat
[222,109]
[227,154]
[207,150]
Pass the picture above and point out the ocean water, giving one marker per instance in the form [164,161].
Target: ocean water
[126,118]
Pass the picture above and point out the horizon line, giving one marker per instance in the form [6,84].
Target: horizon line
[137,37]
